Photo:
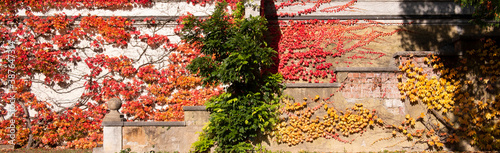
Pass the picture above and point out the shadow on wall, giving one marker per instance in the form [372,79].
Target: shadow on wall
[274,33]
[444,27]
[273,38]
[433,25]
[477,74]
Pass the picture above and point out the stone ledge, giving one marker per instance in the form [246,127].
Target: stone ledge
[446,17]
[112,123]
[194,108]
[415,53]
[155,123]
[312,85]
[366,69]
[425,53]
[2,147]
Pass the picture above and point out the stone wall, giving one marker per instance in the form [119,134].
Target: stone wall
[375,88]
[166,136]
[368,82]
[155,136]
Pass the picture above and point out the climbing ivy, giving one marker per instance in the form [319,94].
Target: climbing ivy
[235,55]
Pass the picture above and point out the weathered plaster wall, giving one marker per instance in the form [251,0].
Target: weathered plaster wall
[166,138]
[389,107]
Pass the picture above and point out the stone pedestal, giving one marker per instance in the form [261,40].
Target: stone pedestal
[113,126]
[112,139]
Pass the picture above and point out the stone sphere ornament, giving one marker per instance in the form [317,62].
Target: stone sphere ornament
[114,104]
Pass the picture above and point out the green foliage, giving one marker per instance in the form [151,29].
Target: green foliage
[239,13]
[203,143]
[127,150]
[483,10]
[236,55]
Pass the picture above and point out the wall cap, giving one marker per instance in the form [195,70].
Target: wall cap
[366,69]
[425,53]
[143,123]
[112,123]
[155,123]
[312,85]
[414,53]
[194,108]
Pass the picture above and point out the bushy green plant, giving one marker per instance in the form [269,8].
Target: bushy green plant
[484,10]
[235,55]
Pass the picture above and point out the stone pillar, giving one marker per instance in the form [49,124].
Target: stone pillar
[113,124]
[195,115]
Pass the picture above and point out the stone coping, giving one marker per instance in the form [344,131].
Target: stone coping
[415,53]
[425,53]
[138,19]
[454,17]
[366,69]
[155,123]
[194,108]
[2,147]
[312,85]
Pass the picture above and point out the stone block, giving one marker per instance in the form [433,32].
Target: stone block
[112,139]
[3,147]
[98,150]
[158,138]
[196,117]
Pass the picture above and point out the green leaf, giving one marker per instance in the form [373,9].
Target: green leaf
[249,105]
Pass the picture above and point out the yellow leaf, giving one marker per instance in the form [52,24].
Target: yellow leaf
[488,116]
[431,143]
[316,98]
[439,144]
[422,115]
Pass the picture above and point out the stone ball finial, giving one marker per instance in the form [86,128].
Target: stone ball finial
[114,104]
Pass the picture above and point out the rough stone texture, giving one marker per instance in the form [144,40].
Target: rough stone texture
[310,93]
[112,139]
[3,147]
[312,85]
[366,142]
[196,118]
[370,85]
[159,138]
[166,136]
